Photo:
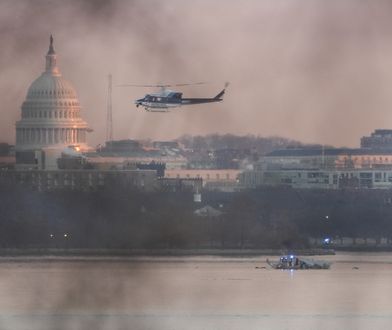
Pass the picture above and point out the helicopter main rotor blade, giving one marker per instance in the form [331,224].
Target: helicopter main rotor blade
[160,85]
[132,85]
[196,83]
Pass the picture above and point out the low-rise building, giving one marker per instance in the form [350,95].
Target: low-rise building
[120,146]
[327,158]
[123,161]
[193,185]
[84,180]
[213,179]
[319,178]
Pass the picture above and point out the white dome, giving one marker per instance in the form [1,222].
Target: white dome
[51,86]
[51,113]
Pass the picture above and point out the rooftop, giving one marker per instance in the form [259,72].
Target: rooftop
[303,152]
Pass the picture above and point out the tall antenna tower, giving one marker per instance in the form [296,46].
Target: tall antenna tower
[109,117]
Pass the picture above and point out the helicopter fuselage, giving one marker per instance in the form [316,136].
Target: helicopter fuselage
[167,99]
[160,102]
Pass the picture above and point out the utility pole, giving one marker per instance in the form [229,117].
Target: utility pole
[109,118]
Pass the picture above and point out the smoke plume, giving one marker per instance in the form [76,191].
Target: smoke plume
[317,71]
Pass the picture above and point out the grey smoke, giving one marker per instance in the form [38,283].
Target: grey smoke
[314,71]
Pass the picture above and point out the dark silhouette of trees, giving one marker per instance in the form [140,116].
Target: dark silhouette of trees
[261,145]
[122,218]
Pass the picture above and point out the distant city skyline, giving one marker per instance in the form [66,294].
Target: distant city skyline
[316,72]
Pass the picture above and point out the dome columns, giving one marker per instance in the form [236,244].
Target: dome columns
[50,136]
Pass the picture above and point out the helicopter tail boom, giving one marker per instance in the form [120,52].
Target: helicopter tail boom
[220,95]
[217,98]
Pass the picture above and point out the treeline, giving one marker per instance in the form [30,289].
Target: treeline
[122,218]
[257,144]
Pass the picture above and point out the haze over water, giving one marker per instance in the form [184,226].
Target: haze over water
[195,293]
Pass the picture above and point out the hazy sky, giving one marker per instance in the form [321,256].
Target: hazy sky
[316,71]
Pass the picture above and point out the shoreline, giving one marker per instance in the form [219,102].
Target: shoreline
[4,253]
[42,253]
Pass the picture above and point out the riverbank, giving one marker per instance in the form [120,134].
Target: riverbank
[158,252]
[63,252]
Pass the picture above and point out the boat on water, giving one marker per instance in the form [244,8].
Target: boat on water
[294,262]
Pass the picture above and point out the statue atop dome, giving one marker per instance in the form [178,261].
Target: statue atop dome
[51,49]
[51,60]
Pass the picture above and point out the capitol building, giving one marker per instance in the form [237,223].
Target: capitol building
[51,122]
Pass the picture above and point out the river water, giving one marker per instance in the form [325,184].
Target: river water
[194,293]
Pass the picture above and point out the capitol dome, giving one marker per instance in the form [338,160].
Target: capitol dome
[51,112]
[54,86]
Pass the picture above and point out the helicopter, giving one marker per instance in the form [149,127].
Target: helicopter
[167,99]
